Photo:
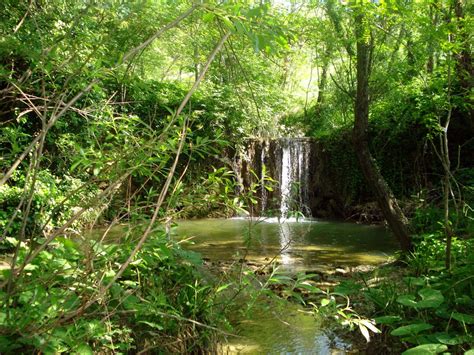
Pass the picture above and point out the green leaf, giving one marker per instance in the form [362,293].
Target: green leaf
[443,313]
[222,288]
[325,302]
[387,319]
[463,318]
[152,325]
[364,332]
[407,300]
[12,241]
[282,279]
[449,339]
[208,17]
[83,349]
[75,164]
[430,298]
[131,302]
[298,297]
[68,243]
[469,352]
[241,29]
[307,286]
[411,329]
[426,349]
[228,23]
[370,325]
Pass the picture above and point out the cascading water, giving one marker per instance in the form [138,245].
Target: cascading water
[294,178]
[263,176]
[286,160]
[285,180]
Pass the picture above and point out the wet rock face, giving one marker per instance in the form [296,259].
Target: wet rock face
[303,183]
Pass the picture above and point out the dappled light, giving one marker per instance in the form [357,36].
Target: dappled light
[214,177]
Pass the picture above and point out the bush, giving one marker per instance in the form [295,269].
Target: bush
[430,306]
[157,301]
[49,208]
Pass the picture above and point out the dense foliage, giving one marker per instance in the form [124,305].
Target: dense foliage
[132,112]
[150,307]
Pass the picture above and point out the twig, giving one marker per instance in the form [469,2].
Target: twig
[163,192]
[17,27]
[55,116]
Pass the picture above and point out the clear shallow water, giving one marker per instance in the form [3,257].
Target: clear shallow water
[302,245]
[297,245]
[290,332]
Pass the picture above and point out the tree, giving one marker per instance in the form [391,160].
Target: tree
[385,198]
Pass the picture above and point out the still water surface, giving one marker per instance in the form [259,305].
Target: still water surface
[297,245]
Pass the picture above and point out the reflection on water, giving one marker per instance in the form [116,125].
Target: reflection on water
[285,244]
[298,245]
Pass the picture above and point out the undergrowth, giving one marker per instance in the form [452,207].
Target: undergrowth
[160,304]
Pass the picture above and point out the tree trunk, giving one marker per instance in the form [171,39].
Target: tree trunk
[431,55]
[321,90]
[322,84]
[385,198]
[464,65]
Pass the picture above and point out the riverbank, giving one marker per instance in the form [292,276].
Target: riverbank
[416,307]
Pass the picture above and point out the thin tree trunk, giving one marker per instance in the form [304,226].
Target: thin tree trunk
[321,92]
[322,84]
[464,65]
[431,55]
[385,198]
[411,59]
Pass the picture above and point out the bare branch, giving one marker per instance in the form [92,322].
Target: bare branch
[164,190]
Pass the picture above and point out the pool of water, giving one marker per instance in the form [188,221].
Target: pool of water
[295,245]
[292,331]
[302,245]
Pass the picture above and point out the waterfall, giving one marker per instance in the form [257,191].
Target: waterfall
[263,175]
[286,160]
[294,178]
[285,180]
